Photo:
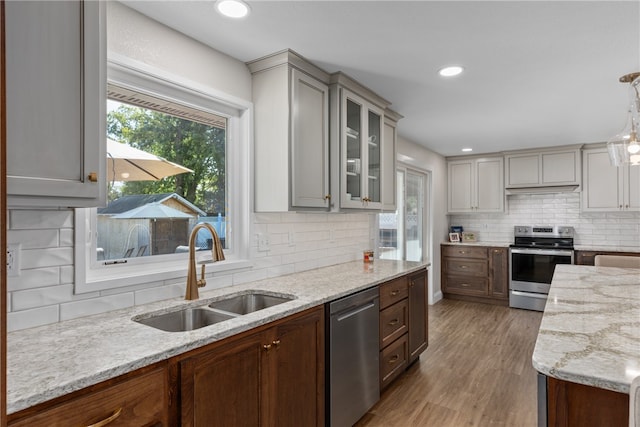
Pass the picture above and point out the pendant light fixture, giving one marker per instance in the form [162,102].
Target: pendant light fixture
[625,146]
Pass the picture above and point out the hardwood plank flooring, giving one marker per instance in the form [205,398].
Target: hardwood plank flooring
[476,372]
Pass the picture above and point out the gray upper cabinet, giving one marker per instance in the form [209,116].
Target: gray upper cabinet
[56,90]
[476,185]
[363,145]
[546,168]
[608,188]
[291,138]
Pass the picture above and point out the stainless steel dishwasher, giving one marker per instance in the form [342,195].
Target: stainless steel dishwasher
[353,374]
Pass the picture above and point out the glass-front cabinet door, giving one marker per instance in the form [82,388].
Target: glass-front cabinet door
[362,141]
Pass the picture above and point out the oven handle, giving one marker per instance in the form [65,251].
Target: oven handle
[529,294]
[542,251]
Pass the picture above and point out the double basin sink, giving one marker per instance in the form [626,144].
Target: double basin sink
[189,318]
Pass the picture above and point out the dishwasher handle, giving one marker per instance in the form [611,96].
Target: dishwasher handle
[354,311]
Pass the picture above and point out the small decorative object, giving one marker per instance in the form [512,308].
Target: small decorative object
[367,256]
[456,229]
[454,237]
[469,236]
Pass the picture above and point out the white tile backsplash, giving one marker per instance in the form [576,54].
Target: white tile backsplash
[601,230]
[43,293]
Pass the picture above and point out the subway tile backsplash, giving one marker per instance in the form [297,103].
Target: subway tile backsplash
[43,293]
[614,230]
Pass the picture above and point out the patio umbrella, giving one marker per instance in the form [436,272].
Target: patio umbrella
[152,210]
[125,163]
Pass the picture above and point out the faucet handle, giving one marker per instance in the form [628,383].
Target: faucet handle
[201,282]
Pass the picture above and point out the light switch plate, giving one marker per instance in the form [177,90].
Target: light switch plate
[13,260]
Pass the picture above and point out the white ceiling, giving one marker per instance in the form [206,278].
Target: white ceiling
[538,73]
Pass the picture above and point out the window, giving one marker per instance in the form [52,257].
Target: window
[177,154]
[166,172]
[401,234]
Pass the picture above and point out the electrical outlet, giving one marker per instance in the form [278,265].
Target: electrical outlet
[263,243]
[13,260]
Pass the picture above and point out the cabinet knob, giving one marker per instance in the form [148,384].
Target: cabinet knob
[327,197]
[276,343]
[394,292]
[93,177]
[394,322]
[266,346]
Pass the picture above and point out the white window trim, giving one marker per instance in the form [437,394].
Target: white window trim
[91,276]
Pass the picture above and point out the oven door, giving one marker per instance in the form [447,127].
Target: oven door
[531,270]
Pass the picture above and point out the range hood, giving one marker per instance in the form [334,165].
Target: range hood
[542,190]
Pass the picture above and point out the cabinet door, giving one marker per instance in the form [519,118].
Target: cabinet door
[561,168]
[374,157]
[603,184]
[296,372]
[489,185]
[523,170]
[460,186]
[388,165]
[499,273]
[310,141]
[631,182]
[223,387]
[418,315]
[55,74]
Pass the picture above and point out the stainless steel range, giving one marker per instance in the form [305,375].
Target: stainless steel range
[533,257]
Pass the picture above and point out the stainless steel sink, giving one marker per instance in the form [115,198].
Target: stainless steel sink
[186,319]
[248,303]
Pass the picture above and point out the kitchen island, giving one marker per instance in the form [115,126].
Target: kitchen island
[588,346]
[58,359]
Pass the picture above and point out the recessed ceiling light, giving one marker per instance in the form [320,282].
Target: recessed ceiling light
[232,8]
[451,71]
[466,150]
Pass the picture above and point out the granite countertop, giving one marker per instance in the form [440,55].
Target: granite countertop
[49,361]
[481,243]
[590,329]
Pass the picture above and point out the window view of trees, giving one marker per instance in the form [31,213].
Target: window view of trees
[155,217]
[196,146]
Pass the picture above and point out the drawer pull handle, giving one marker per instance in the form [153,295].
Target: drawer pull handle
[107,420]
[394,292]
[463,267]
[465,285]
[462,252]
[394,322]
[394,359]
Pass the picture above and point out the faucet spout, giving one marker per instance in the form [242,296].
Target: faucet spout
[193,283]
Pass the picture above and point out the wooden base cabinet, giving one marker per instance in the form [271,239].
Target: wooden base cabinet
[476,273]
[589,257]
[403,324]
[571,404]
[140,398]
[273,376]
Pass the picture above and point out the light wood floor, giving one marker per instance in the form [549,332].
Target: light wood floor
[476,372]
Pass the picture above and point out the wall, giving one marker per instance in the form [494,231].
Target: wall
[416,156]
[612,230]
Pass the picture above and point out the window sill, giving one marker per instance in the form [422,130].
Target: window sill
[118,276]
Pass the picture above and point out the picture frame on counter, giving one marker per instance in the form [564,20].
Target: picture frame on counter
[454,237]
[469,237]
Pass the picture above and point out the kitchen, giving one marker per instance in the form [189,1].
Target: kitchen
[159,47]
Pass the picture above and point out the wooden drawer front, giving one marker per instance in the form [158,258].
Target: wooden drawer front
[393,291]
[393,360]
[139,401]
[467,267]
[393,322]
[463,251]
[467,285]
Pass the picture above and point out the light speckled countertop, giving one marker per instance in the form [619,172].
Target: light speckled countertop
[488,244]
[50,361]
[590,330]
